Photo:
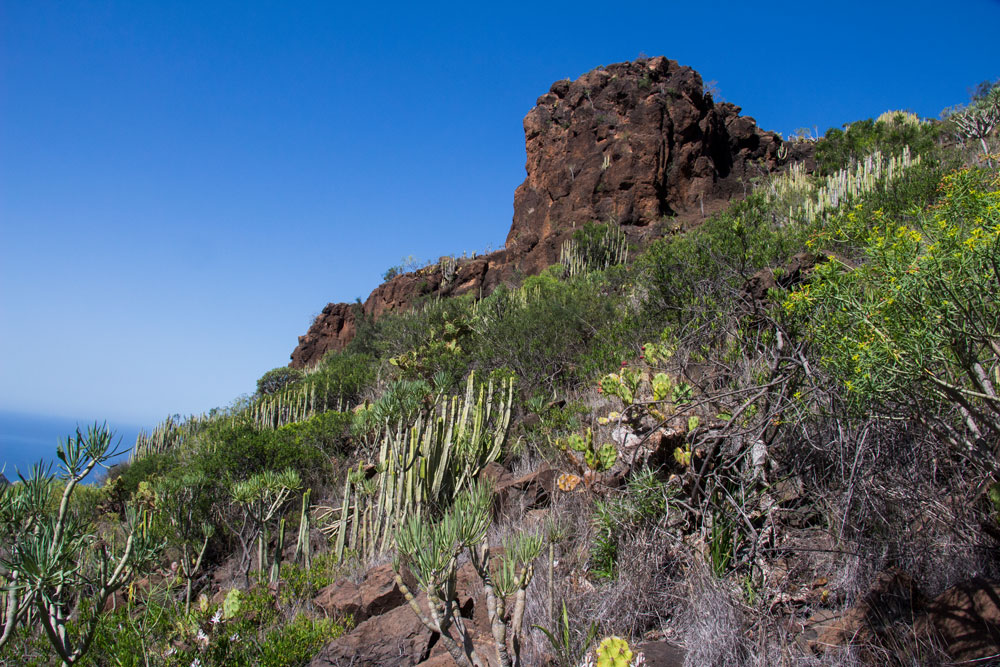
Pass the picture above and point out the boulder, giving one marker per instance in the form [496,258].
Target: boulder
[377,594]
[396,637]
[390,632]
[661,654]
[893,599]
[516,496]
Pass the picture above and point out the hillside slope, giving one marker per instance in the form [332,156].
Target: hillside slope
[632,144]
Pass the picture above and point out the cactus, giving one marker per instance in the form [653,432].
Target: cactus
[602,458]
[422,466]
[614,652]
[605,251]
[624,385]
[597,459]
[302,546]
[805,201]
[231,605]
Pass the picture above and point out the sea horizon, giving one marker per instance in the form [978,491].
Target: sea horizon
[27,438]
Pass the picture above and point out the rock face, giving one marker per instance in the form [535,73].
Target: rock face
[631,143]
[628,144]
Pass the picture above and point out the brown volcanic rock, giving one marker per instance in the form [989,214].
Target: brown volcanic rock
[629,143]
[632,143]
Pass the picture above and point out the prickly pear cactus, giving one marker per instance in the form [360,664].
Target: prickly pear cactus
[662,387]
[601,459]
[613,652]
[579,443]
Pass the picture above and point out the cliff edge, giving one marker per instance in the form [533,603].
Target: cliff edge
[629,144]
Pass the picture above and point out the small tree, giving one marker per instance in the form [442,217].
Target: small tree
[182,499]
[55,561]
[277,379]
[432,551]
[262,498]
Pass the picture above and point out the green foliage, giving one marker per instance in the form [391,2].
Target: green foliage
[396,334]
[344,376]
[304,583]
[643,503]
[441,352]
[916,324]
[124,478]
[690,278]
[569,647]
[327,431]
[256,634]
[239,451]
[544,330]
[277,379]
[839,148]
[721,543]
[57,565]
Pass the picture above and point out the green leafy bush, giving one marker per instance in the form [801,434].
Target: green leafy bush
[543,330]
[327,432]
[277,379]
[916,324]
[343,377]
[236,451]
[839,148]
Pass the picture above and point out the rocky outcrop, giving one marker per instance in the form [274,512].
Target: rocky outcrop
[629,144]
[632,143]
[390,632]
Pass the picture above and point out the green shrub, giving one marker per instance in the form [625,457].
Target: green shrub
[327,432]
[642,503]
[913,329]
[839,148]
[277,379]
[237,451]
[343,377]
[256,634]
[124,478]
[542,330]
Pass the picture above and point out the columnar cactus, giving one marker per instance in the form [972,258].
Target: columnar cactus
[423,465]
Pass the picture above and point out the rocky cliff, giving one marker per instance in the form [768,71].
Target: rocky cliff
[629,144]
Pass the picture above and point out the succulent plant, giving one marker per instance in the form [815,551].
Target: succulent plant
[420,466]
[431,551]
[614,652]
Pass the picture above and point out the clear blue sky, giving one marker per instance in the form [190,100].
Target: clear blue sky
[184,185]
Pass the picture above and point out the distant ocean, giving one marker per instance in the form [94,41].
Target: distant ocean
[26,439]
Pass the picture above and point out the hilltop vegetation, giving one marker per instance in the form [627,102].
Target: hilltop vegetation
[745,426]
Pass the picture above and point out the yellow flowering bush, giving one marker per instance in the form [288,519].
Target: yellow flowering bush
[916,317]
